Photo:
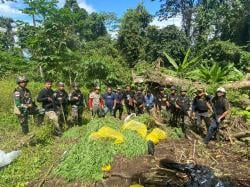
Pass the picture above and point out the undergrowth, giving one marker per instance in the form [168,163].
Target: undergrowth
[85,160]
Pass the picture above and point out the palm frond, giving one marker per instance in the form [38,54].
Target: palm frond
[171,61]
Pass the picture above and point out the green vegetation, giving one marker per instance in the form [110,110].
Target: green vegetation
[86,158]
[69,44]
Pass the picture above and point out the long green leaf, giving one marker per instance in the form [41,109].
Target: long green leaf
[185,60]
[191,63]
[171,61]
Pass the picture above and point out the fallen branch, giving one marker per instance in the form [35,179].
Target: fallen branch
[45,177]
[242,84]
[240,135]
[156,76]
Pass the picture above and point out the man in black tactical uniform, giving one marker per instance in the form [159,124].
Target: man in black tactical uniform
[77,102]
[119,102]
[129,100]
[139,101]
[182,107]
[171,106]
[200,108]
[161,101]
[24,104]
[220,107]
[61,100]
[46,97]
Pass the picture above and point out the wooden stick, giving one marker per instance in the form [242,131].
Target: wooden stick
[46,175]
[194,150]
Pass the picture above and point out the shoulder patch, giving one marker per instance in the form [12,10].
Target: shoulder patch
[17,93]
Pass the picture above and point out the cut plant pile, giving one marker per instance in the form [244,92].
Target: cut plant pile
[103,139]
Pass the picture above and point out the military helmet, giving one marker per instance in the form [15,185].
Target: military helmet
[173,88]
[61,84]
[21,79]
[183,90]
[118,88]
[161,89]
[200,90]
[97,88]
[139,89]
[221,89]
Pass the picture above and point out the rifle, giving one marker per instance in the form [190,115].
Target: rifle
[64,118]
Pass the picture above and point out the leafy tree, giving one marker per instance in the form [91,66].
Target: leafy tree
[94,27]
[72,5]
[169,39]
[7,40]
[183,68]
[53,45]
[39,9]
[11,63]
[225,52]
[87,27]
[222,19]
[102,46]
[132,33]
[185,8]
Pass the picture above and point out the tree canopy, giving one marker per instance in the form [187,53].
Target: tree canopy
[70,43]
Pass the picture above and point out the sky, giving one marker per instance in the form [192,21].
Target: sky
[119,7]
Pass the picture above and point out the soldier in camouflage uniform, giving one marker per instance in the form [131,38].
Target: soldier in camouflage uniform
[24,105]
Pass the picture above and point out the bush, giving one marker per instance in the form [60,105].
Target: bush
[225,52]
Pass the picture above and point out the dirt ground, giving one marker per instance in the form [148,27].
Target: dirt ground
[229,162]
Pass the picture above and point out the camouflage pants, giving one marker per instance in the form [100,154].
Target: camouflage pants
[76,114]
[183,120]
[38,115]
[199,117]
[62,116]
[23,120]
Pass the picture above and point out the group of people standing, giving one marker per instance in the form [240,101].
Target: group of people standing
[54,105]
[182,110]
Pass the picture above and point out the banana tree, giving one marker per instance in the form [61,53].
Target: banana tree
[217,74]
[183,68]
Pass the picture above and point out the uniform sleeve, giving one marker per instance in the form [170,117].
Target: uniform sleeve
[188,102]
[17,99]
[227,105]
[42,97]
[177,101]
[70,97]
[194,105]
[66,98]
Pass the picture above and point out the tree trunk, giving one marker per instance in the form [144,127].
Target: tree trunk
[242,134]
[242,84]
[33,19]
[41,72]
[168,80]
